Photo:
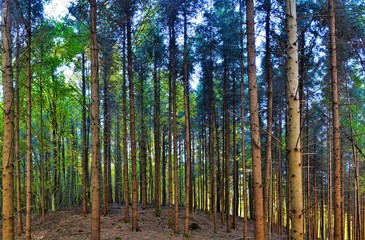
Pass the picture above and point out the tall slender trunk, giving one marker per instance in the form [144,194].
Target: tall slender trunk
[330,182]
[294,144]
[28,210]
[124,138]
[227,146]
[187,128]
[41,143]
[244,175]
[105,145]
[336,125]
[8,127]
[235,167]
[16,137]
[268,76]
[84,138]
[255,127]
[143,150]
[132,118]
[156,123]
[118,160]
[244,186]
[170,129]
[212,177]
[95,127]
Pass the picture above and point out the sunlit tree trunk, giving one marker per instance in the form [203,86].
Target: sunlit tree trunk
[8,133]
[95,127]
[294,144]
[255,125]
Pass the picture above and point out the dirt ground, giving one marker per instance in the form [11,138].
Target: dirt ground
[71,224]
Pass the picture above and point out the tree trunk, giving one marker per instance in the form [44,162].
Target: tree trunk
[227,146]
[8,127]
[268,76]
[105,146]
[84,139]
[143,151]
[244,188]
[336,125]
[17,132]
[132,118]
[156,123]
[124,140]
[293,144]
[28,210]
[255,127]
[95,127]
[187,129]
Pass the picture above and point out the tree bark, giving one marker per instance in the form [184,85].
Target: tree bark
[17,132]
[8,133]
[255,127]
[95,127]
[105,145]
[28,210]
[244,175]
[84,138]
[187,129]
[156,123]
[132,117]
[124,138]
[294,144]
[268,76]
[336,125]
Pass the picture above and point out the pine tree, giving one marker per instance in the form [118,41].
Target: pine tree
[95,127]
[294,144]
[255,125]
[8,134]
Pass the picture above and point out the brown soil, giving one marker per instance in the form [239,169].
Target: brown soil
[71,224]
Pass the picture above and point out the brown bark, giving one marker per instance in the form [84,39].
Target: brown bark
[8,133]
[84,139]
[187,130]
[244,187]
[330,192]
[105,147]
[255,127]
[28,209]
[124,138]
[336,125]
[132,117]
[17,140]
[268,76]
[143,151]
[95,127]
[156,123]
[226,143]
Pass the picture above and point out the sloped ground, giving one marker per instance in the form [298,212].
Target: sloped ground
[71,224]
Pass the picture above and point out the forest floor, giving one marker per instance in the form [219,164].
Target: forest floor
[71,224]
